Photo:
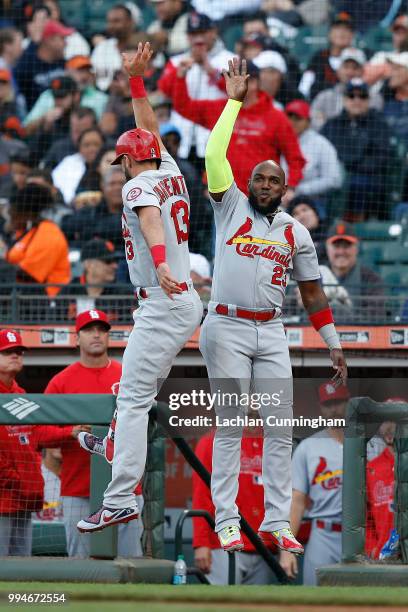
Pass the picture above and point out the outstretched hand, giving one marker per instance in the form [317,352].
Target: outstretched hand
[340,365]
[236,79]
[136,65]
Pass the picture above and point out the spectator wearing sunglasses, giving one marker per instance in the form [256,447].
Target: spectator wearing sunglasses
[361,137]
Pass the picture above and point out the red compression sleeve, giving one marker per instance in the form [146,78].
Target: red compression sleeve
[321,318]
[158,252]
[137,88]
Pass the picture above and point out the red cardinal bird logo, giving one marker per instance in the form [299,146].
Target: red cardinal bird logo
[242,231]
[289,237]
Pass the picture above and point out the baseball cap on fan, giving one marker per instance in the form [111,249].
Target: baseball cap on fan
[197,22]
[5,75]
[328,392]
[9,338]
[96,248]
[342,231]
[55,28]
[352,54]
[79,62]
[271,60]
[343,18]
[300,108]
[91,316]
[62,86]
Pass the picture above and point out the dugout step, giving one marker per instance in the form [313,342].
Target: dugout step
[64,569]
[363,574]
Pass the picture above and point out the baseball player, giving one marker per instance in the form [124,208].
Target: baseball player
[242,338]
[155,226]
[317,472]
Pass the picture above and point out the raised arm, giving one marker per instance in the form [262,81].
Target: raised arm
[219,172]
[135,67]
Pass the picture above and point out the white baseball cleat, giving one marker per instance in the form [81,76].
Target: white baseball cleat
[92,443]
[106,517]
[230,538]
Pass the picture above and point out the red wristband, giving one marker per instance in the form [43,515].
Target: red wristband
[323,317]
[137,88]
[158,252]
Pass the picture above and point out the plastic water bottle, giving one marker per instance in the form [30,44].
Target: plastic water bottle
[180,571]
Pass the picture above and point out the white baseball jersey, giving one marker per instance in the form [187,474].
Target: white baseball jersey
[317,471]
[254,257]
[166,189]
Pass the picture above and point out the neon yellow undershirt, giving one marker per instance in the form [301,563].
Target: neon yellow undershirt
[219,173]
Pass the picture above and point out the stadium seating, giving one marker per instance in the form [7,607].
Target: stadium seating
[307,42]
[377,230]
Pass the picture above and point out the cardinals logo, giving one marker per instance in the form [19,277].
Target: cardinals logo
[328,479]
[250,246]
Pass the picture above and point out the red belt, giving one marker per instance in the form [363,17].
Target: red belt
[252,315]
[143,293]
[330,526]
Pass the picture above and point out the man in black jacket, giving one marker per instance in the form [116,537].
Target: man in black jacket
[362,139]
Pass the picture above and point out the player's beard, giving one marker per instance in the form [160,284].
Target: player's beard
[264,210]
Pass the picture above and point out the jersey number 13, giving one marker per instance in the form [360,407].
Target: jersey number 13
[179,214]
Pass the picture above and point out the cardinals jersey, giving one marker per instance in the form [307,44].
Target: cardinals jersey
[254,257]
[166,189]
[317,471]
[380,502]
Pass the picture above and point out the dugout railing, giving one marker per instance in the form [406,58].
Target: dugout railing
[363,417]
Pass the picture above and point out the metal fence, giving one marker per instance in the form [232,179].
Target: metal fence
[29,304]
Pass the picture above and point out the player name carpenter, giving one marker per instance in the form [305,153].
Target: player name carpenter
[247,421]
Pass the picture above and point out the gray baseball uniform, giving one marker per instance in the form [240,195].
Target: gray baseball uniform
[317,471]
[252,261]
[162,325]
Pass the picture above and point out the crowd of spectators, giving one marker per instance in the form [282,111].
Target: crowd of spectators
[331,114]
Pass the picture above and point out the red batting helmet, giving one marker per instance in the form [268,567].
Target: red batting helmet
[139,144]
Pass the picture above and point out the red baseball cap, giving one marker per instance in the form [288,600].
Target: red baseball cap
[9,338]
[5,75]
[91,316]
[328,392]
[299,108]
[55,28]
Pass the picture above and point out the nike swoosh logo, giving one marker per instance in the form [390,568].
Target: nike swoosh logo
[106,519]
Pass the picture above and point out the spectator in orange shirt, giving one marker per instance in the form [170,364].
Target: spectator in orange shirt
[40,250]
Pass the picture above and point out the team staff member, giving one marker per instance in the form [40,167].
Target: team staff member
[21,482]
[261,130]
[208,554]
[242,338]
[317,473]
[93,373]
[380,482]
